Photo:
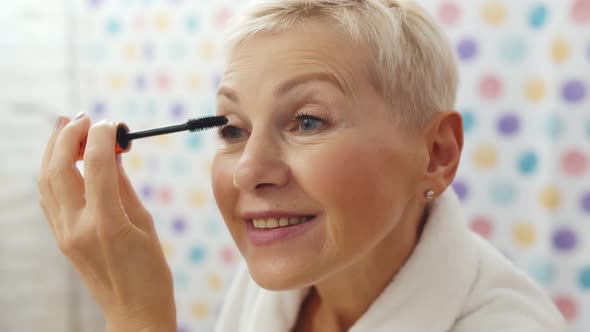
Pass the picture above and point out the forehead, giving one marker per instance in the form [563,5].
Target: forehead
[306,49]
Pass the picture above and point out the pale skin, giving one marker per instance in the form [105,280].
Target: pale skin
[345,159]
[353,164]
[102,227]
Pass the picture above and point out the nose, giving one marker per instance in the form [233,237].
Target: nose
[261,165]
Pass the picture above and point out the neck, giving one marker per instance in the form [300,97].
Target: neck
[341,299]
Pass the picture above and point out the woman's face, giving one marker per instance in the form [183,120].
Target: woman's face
[313,171]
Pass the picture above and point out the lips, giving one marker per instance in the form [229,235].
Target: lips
[268,228]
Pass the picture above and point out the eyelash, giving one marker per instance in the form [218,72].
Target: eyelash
[303,115]
[297,117]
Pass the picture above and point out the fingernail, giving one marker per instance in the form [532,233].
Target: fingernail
[78,116]
[58,123]
[103,122]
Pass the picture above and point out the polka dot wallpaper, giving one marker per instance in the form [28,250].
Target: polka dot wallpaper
[524,95]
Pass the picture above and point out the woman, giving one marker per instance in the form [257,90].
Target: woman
[332,177]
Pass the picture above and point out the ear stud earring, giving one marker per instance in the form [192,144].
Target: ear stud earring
[429,194]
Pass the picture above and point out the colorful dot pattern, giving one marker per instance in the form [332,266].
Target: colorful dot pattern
[524,95]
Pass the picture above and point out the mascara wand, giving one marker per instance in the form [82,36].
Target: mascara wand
[124,137]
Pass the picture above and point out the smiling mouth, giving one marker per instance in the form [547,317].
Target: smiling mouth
[272,223]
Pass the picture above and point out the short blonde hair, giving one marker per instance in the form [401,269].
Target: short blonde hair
[412,64]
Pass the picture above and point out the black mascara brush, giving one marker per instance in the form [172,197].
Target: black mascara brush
[124,137]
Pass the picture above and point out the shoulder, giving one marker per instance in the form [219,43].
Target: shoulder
[502,298]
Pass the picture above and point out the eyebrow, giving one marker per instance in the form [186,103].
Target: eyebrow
[288,85]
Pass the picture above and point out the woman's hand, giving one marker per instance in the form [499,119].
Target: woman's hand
[102,227]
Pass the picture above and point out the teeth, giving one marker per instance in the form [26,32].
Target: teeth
[278,222]
[272,223]
[284,222]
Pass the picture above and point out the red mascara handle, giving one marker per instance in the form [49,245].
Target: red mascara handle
[121,145]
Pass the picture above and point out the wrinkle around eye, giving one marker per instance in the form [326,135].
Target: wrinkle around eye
[308,140]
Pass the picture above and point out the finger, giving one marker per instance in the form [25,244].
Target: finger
[46,196]
[134,208]
[61,122]
[100,174]
[65,180]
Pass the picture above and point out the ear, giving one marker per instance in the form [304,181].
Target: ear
[445,143]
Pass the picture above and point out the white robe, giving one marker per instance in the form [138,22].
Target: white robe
[454,281]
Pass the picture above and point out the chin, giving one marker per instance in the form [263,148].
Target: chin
[279,277]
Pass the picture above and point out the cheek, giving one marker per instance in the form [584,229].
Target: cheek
[361,188]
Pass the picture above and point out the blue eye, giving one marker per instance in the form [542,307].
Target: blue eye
[230,132]
[308,123]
